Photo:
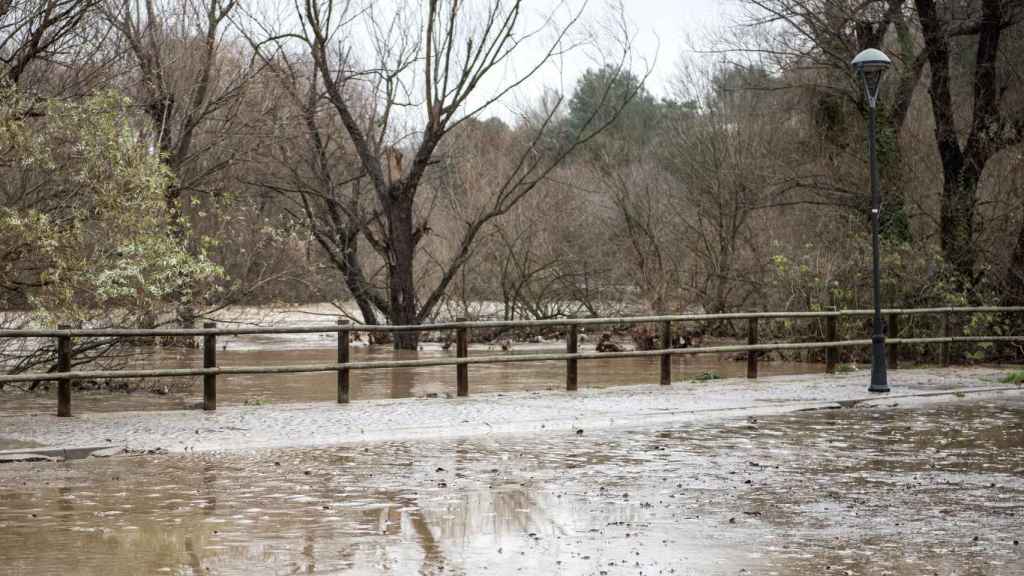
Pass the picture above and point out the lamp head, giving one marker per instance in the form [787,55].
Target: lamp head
[870,64]
[871,60]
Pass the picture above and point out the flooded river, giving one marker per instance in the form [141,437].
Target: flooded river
[269,350]
[931,490]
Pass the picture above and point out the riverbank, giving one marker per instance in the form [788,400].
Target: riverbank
[321,424]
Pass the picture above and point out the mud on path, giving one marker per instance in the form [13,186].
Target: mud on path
[895,487]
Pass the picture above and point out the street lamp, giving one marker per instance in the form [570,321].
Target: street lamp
[870,64]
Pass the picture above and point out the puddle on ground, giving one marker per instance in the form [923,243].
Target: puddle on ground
[884,490]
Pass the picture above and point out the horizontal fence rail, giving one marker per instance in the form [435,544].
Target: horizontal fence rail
[64,376]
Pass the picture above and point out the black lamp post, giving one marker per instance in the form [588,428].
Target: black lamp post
[870,64]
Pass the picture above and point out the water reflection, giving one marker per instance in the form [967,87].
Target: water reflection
[863,490]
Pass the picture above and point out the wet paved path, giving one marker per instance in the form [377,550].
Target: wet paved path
[328,424]
[898,486]
[884,488]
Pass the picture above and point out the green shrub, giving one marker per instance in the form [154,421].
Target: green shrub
[1016,377]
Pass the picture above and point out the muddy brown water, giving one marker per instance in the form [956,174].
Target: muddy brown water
[937,489]
[272,350]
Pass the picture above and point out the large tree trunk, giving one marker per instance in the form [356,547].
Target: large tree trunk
[1013,293]
[962,166]
[402,286]
[959,190]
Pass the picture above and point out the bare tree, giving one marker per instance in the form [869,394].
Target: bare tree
[432,83]
[728,158]
[991,130]
[189,82]
[812,43]
[39,30]
[821,36]
[318,178]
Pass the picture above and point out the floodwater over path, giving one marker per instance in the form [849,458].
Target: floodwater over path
[936,489]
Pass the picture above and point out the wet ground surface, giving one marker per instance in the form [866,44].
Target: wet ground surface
[320,424]
[933,489]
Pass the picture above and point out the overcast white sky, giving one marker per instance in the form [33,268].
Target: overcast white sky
[663,31]
[669,28]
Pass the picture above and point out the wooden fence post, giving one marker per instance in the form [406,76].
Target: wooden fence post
[831,353]
[894,348]
[947,331]
[209,361]
[572,346]
[64,365]
[462,351]
[343,358]
[752,355]
[666,360]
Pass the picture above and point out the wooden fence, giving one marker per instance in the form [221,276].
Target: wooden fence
[210,370]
